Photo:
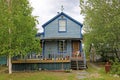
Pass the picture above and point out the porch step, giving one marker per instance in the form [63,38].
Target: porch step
[77,64]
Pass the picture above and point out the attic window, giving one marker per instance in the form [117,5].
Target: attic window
[62,25]
[62,17]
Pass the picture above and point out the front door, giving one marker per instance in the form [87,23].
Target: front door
[75,46]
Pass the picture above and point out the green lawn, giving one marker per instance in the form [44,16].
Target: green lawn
[43,75]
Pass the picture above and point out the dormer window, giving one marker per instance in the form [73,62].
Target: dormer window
[62,25]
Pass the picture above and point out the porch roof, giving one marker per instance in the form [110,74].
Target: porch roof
[61,38]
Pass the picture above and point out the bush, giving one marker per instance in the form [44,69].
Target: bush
[68,71]
[115,68]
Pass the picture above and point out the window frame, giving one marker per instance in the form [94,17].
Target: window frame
[62,49]
[59,26]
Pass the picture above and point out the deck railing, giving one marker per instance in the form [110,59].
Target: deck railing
[51,56]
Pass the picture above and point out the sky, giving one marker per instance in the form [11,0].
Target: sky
[47,9]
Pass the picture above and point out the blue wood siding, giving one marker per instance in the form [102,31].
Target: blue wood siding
[73,29]
[51,47]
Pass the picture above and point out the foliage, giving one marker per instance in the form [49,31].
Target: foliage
[17,25]
[68,71]
[97,72]
[115,68]
[36,67]
[102,25]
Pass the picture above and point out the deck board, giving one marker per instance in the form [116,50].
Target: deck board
[77,58]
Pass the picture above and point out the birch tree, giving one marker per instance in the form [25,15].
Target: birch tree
[17,29]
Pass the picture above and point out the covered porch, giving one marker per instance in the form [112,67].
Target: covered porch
[57,54]
[61,47]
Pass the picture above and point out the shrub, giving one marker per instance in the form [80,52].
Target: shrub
[115,68]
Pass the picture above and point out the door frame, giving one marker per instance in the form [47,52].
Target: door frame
[79,42]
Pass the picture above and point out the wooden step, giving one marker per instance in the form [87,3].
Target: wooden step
[77,64]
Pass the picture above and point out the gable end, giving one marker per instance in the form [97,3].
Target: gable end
[59,16]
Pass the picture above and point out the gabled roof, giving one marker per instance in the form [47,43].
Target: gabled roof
[59,16]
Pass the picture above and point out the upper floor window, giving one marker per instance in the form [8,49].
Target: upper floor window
[62,25]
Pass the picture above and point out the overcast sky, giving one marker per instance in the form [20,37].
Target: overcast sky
[47,9]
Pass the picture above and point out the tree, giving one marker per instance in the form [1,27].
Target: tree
[17,25]
[102,25]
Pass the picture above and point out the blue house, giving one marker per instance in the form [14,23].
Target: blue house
[61,43]
[62,37]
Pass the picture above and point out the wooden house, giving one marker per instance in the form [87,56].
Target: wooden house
[61,44]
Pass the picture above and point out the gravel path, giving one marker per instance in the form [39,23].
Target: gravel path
[81,74]
[94,66]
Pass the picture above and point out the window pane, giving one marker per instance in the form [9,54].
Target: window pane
[62,25]
[62,29]
[62,46]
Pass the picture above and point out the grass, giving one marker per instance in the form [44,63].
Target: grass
[99,74]
[43,75]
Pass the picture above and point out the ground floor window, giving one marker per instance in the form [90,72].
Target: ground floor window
[62,46]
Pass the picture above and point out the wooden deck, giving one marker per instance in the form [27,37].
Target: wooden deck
[39,61]
[77,58]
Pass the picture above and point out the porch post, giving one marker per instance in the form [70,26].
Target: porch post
[80,45]
[63,47]
[71,51]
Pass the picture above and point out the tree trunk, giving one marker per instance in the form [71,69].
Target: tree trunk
[10,64]
[9,56]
